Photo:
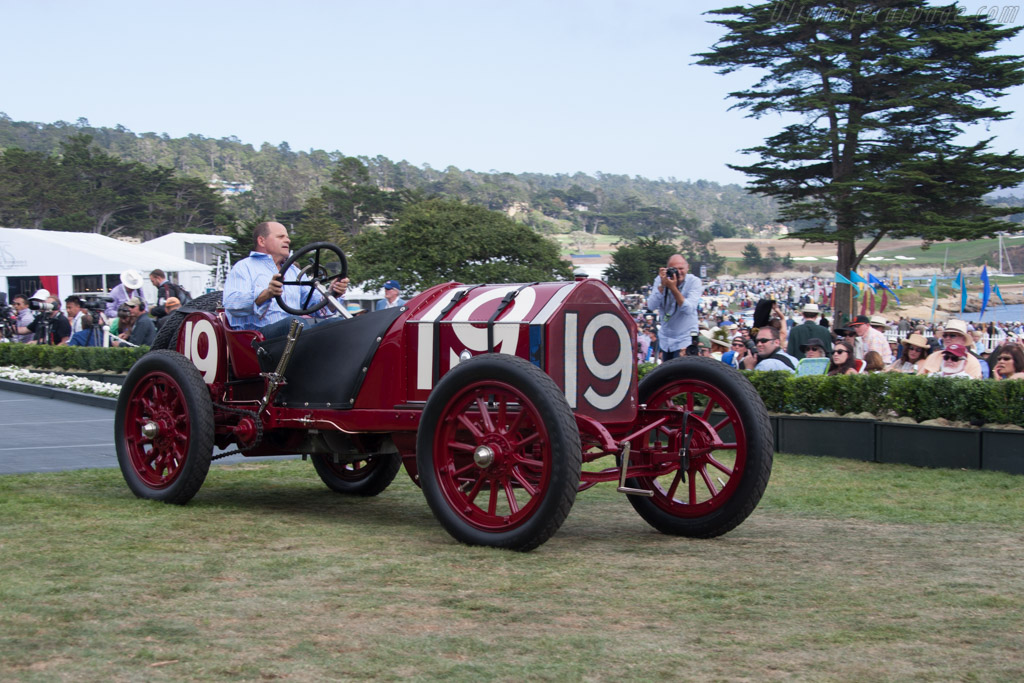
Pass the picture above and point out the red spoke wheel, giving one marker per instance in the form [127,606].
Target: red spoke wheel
[366,477]
[499,453]
[163,428]
[713,456]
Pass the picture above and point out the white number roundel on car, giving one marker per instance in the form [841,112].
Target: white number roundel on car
[203,355]
[621,366]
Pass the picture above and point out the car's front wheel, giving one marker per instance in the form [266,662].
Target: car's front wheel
[163,428]
[498,453]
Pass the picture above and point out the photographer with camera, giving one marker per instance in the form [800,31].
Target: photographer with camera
[23,318]
[49,325]
[676,293]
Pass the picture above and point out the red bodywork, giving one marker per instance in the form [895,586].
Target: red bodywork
[577,332]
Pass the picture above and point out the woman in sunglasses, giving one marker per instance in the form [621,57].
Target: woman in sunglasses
[1009,362]
[915,350]
[842,360]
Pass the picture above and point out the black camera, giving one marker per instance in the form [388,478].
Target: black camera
[751,345]
[37,305]
[9,320]
[672,273]
[95,302]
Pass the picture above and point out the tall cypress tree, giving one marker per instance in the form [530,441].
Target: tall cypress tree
[884,89]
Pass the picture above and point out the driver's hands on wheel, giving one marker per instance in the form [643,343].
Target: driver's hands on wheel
[339,286]
[274,288]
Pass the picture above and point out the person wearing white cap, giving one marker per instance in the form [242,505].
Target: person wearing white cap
[131,286]
[808,329]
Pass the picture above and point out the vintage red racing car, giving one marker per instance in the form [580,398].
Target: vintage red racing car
[498,400]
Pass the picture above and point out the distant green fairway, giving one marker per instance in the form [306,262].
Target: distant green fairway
[952,254]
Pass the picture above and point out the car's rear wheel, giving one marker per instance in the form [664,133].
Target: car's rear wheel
[715,448]
[498,453]
[163,428]
[366,477]
[167,335]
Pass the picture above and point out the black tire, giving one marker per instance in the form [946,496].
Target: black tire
[167,335]
[708,390]
[164,389]
[367,477]
[497,424]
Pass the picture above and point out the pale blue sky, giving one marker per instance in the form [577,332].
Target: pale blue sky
[551,87]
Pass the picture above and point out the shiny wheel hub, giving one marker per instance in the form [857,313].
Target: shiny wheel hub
[483,456]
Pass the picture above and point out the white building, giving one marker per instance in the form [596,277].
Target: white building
[74,262]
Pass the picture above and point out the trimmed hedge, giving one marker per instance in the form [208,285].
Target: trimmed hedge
[78,358]
[888,393]
[881,394]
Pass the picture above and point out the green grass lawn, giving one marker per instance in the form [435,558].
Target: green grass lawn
[846,571]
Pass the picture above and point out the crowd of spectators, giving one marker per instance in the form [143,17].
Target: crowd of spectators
[793,327]
[124,319]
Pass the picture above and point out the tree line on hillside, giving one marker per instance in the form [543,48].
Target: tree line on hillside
[282,180]
[83,189]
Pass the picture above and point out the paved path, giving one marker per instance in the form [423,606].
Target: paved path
[41,434]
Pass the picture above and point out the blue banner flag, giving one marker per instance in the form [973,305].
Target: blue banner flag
[985,291]
[963,292]
[878,283]
[855,276]
[995,288]
[935,295]
[843,280]
[958,282]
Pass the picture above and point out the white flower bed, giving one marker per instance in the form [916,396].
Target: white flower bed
[79,384]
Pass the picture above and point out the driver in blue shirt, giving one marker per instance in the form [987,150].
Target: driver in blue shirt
[254,282]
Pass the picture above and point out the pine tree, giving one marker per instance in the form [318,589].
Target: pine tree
[884,88]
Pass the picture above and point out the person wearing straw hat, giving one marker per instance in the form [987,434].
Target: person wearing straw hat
[955,332]
[720,343]
[131,286]
[915,351]
[808,329]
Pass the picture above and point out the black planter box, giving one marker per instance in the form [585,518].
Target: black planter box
[834,437]
[927,446]
[1002,451]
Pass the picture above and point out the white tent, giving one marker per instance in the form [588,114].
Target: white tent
[68,262]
